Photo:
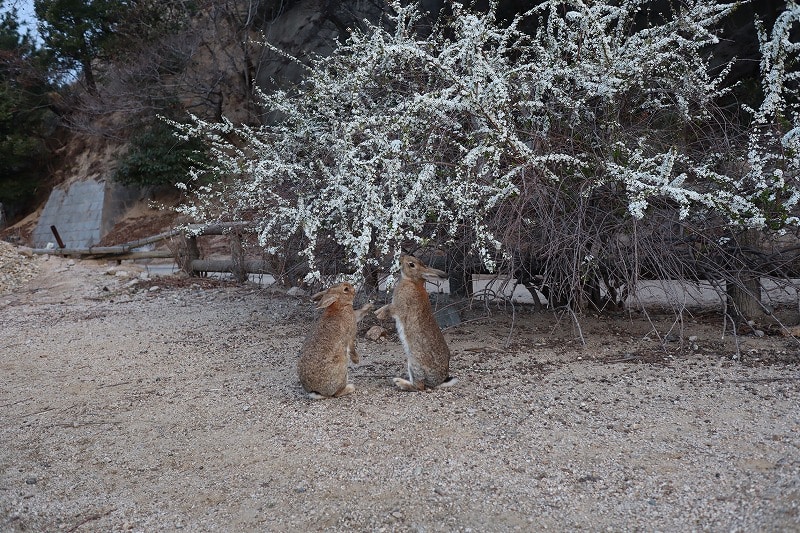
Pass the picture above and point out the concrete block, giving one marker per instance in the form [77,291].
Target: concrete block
[83,212]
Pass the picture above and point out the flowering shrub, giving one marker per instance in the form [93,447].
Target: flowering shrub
[564,147]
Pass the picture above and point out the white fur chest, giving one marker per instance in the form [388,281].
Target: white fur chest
[401,332]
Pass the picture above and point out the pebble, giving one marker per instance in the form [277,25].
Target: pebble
[376,333]
[296,291]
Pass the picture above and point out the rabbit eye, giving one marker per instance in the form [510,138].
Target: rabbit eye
[412,265]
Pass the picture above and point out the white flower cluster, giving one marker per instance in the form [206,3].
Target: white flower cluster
[773,154]
[396,139]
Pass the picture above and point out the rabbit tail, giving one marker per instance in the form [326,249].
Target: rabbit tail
[449,382]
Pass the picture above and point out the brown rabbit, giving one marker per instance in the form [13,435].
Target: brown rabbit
[425,347]
[323,358]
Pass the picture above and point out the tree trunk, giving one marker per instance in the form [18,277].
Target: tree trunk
[459,275]
[744,289]
[88,75]
[238,268]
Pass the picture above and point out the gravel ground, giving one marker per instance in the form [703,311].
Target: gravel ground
[167,404]
[16,267]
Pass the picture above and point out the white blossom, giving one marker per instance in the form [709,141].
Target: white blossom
[395,138]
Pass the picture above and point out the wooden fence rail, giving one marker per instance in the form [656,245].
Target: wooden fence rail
[186,254]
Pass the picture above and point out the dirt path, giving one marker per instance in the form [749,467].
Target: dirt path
[126,408]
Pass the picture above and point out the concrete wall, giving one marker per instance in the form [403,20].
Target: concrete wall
[83,213]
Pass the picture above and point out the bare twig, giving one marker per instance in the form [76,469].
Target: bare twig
[18,401]
[90,518]
[577,325]
[76,423]
[738,355]
[114,384]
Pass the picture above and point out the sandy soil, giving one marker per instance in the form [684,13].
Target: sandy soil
[167,404]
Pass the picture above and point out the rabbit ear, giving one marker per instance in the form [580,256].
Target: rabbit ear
[433,274]
[327,299]
[317,297]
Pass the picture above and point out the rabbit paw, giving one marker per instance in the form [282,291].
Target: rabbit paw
[404,384]
[348,389]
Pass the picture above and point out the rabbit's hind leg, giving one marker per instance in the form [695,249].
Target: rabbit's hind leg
[409,384]
[404,384]
[316,396]
[347,389]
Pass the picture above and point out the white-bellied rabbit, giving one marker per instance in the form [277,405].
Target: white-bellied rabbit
[425,347]
[323,358]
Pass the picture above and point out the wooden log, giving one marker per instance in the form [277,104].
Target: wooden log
[138,243]
[152,254]
[193,230]
[251,266]
[188,250]
[103,252]
[96,250]
[116,249]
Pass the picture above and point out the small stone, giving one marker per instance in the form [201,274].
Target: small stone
[397,514]
[296,291]
[31,481]
[376,333]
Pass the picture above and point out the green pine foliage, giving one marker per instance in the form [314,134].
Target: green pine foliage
[157,157]
[25,120]
[77,33]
